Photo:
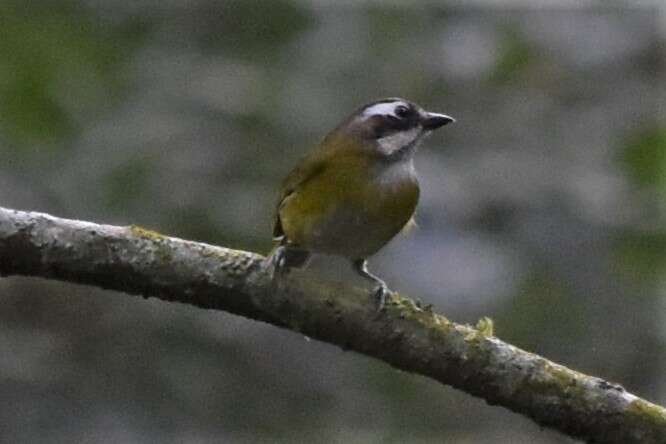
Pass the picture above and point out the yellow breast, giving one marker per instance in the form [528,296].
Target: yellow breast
[352,208]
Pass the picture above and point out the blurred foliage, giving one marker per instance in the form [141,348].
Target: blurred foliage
[57,67]
[514,56]
[538,303]
[542,208]
[642,257]
[645,158]
[126,184]
[244,30]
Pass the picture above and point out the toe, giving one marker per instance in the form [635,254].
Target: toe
[381,293]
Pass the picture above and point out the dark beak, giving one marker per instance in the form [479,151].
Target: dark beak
[432,121]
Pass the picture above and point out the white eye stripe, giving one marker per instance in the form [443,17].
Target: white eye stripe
[383,109]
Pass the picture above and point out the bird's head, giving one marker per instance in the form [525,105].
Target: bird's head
[390,128]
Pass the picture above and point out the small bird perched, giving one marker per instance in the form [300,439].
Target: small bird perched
[357,190]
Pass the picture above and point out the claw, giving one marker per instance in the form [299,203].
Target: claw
[277,262]
[381,293]
[285,257]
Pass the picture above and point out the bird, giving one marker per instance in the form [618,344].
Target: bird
[356,190]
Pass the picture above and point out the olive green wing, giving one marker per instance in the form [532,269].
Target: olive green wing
[310,167]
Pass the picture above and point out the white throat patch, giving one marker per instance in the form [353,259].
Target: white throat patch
[396,141]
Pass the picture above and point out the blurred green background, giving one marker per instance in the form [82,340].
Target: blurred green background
[543,207]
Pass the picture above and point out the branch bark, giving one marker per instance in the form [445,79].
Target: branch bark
[138,261]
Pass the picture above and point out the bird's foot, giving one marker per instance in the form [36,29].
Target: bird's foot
[380,294]
[286,257]
[277,262]
[380,291]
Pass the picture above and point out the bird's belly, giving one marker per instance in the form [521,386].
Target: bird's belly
[359,227]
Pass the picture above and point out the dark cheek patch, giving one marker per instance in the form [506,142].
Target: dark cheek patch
[386,125]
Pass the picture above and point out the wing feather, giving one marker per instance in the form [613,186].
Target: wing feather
[310,167]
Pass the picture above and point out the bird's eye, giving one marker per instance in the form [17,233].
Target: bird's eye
[401,111]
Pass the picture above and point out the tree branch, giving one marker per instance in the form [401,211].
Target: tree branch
[137,261]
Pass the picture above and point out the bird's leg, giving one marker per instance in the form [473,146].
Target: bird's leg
[381,291]
[285,257]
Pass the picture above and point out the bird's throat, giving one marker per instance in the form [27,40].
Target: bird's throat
[400,143]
